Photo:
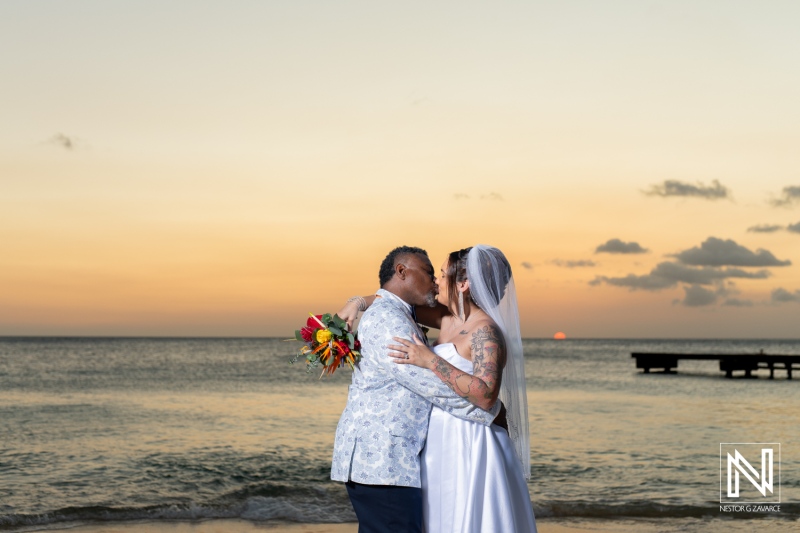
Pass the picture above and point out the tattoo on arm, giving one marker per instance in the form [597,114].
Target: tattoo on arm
[460,382]
[443,369]
[488,358]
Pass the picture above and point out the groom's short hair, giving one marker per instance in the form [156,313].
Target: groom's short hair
[387,266]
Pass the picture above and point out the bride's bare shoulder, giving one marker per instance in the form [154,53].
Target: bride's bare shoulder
[485,330]
[482,322]
[447,321]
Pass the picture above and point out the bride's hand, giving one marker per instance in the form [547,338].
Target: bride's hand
[349,313]
[412,353]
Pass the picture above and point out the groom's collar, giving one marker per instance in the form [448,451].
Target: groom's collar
[383,293]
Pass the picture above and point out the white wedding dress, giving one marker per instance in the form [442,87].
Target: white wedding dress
[472,481]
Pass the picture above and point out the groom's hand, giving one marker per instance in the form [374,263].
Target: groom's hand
[500,419]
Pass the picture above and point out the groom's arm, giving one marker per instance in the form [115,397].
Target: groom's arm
[419,380]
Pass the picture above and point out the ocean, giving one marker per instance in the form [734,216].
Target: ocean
[121,429]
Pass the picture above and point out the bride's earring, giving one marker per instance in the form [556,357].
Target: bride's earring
[461,306]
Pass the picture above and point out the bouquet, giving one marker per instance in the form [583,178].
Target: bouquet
[327,342]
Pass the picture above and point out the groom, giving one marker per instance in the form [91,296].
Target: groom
[383,427]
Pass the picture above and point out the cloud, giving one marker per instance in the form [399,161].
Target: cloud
[65,142]
[668,274]
[527,265]
[716,191]
[705,275]
[574,264]
[704,280]
[616,246]
[697,296]
[794,228]
[736,302]
[492,196]
[781,295]
[789,195]
[717,252]
[764,228]
[633,282]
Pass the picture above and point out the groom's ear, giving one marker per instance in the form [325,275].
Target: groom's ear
[400,270]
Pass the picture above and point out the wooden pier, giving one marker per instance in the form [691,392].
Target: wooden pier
[728,363]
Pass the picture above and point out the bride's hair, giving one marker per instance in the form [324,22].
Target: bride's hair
[456,272]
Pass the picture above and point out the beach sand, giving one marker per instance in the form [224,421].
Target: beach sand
[243,526]
[546,525]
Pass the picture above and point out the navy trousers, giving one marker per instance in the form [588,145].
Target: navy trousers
[386,508]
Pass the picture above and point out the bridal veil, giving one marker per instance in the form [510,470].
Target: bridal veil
[492,288]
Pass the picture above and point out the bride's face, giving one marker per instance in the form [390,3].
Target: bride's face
[442,282]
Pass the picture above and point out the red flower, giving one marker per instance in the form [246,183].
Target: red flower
[343,348]
[307,333]
[313,324]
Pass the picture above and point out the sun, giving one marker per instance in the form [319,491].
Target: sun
[560,336]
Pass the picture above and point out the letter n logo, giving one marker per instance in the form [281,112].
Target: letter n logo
[736,461]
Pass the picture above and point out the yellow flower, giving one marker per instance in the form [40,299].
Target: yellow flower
[323,336]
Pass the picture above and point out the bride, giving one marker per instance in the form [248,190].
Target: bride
[474,476]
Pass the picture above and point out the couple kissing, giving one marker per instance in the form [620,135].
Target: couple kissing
[435,438]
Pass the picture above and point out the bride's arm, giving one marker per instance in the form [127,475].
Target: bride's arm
[353,306]
[488,359]
[431,316]
[427,316]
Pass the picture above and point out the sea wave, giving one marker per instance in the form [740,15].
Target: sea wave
[256,509]
[99,430]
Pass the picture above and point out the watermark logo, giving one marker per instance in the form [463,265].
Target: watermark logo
[750,472]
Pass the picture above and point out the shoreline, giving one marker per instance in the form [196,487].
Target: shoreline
[238,525]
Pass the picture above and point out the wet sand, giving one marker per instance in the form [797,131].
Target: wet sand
[243,526]
[545,525]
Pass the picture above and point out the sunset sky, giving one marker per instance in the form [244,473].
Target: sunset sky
[222,168]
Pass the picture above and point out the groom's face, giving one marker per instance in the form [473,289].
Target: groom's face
[420,279]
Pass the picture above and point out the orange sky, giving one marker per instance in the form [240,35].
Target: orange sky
[224,169]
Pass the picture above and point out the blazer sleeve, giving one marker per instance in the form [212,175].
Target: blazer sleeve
[420,380]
